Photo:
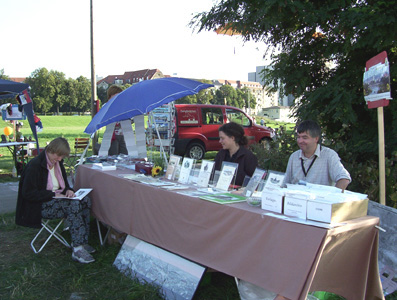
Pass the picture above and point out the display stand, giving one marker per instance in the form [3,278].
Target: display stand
[135,141]
[254,181]
[160,131]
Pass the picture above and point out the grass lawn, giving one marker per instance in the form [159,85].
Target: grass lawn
[52,274]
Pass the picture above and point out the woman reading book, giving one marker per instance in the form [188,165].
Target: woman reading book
[44,192]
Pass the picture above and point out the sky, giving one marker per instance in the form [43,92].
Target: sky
[129,35]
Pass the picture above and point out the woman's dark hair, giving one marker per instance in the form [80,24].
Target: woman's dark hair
[235,130]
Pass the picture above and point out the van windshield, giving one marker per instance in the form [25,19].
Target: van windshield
[237,117]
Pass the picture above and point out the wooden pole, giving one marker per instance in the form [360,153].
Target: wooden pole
[93,77]
[382,173]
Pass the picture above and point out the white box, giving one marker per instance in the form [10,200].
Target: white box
[295,207]
[272,200]
[330,212]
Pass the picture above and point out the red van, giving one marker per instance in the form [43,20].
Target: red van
[197,128]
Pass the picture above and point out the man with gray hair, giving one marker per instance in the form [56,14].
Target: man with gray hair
[314,163]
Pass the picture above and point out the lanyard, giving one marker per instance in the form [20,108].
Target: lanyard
[311,164]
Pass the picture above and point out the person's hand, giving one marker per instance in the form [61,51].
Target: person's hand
[70,194]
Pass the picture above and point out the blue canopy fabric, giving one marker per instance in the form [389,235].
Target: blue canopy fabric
[9,89]
[142,98]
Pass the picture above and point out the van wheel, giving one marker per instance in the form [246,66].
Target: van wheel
[195,151]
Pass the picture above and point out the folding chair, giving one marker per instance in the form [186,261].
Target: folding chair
[78,157]
[80,148]
[53,233]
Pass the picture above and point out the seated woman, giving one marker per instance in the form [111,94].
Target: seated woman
[234,143]
[42,181]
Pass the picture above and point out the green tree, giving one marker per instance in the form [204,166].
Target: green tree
[318,50]
[3,76]
[71,93]
[83,94]
[205,96]
[226,95]
[101,94]
[246,98]
[42,90]
[191,99]
[324,47]
[60,96]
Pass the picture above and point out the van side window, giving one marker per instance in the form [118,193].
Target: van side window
[212,116]
[237,117]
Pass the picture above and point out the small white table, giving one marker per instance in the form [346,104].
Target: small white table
[14,147]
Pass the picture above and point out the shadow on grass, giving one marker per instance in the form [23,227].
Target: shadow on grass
[52,274]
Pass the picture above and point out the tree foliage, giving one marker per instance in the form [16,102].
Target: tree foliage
[3,76]
[52,92]
[319,49]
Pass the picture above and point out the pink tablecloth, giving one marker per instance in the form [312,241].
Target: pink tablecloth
[286,258]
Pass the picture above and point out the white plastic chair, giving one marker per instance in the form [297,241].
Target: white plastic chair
[53,233]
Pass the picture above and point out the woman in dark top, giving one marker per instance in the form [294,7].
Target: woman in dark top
[43,192]
[234,144]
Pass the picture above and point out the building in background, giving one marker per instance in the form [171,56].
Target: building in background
[278,113]
[18,79]
[275,106]
[130,77]
[255,88]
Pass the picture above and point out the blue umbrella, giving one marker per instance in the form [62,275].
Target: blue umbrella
[142,98]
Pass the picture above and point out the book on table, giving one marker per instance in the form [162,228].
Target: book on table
[104,166]
[224,198]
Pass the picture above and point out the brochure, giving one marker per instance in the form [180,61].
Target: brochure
[205,173]
[227,175]
[134,177]
[193,193]
[146,179]
[274,180]
[254,182]
[224,198]
[80,194]
[175,187]
[186,168]
[173,163]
